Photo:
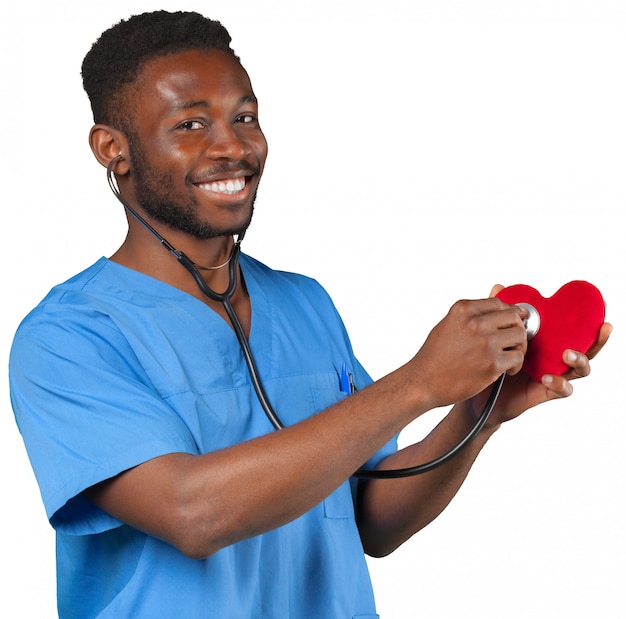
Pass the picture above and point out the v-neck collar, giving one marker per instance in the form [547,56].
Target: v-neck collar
[261,315]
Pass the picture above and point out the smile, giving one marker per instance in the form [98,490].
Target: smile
[228,187]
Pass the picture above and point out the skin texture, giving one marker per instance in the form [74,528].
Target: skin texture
[195,121]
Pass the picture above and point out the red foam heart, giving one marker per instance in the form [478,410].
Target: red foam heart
[571,318]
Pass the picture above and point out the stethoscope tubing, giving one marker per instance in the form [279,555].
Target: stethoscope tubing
[225,299]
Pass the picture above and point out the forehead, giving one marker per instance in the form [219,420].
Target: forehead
[210,75]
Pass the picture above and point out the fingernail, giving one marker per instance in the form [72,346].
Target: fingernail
[571,356]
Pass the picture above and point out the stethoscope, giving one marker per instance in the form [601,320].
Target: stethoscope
[225,299]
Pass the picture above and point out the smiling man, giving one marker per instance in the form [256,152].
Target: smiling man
[169,490]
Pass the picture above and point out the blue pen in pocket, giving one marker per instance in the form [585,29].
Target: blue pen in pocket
[345,381]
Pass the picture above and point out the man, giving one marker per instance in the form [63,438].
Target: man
[170,492]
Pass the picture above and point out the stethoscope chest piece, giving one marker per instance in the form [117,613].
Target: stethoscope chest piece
[532,322]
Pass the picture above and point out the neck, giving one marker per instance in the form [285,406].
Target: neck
[222,264]
[154,260]
[143,252]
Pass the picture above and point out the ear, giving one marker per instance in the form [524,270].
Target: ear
[108,143]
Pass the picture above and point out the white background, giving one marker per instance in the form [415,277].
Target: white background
[420,151]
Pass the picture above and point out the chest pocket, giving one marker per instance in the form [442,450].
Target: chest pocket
[339,505]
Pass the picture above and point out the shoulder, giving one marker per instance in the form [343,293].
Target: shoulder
[74,312]
[63,297]
[290,294]
[105,289]
[285,281]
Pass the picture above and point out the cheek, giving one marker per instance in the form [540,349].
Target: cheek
[261,150]
[259,146]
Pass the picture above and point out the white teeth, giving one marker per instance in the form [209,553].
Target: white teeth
[233,185]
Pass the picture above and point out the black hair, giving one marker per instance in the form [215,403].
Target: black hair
[118,56]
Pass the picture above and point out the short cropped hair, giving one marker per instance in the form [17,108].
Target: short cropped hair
[118,56]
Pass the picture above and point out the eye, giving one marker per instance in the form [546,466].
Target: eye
[246,119]
[191,125]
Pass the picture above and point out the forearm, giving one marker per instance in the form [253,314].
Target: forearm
[203,503]
[391,511]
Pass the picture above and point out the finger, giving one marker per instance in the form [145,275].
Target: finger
[603,336]
[557,386]
[496,289]
[488,305]
[578,363]
[522,311]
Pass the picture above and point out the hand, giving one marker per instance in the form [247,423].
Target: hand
[469,349]
[520,392]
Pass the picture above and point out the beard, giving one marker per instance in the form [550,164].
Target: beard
[156,194]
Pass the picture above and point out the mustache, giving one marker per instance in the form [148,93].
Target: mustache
[226,167]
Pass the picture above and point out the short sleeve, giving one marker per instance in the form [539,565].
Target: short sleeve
[86,410]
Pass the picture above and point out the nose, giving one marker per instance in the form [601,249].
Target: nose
[226,143]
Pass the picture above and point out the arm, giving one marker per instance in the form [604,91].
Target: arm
[390,512]
[203,503]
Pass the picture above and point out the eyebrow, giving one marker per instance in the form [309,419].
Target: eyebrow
[186,105]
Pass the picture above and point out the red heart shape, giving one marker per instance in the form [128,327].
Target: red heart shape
[571,318]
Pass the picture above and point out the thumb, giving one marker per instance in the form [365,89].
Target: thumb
[496,289]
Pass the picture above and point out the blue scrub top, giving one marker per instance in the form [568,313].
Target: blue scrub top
[114,368]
